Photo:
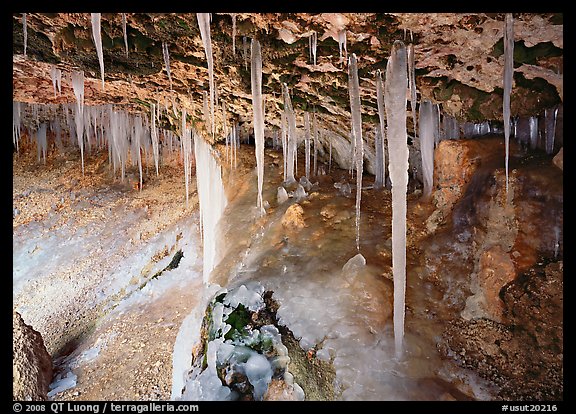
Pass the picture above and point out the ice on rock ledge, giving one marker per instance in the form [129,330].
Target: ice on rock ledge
[282,195]
[259,373]
[251,299]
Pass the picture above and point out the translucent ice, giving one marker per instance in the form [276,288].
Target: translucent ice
[125,33]
[426,133]
[258,112]
[97,36]
[381,146]
[395,101]
[204,25]
[354,91]
[166,55]
[508,74]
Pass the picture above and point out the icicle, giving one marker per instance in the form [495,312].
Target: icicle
[206,110]
[186,143]
[533,123]
[550,128]
[315,136]
[154,136]
[258,111]
[234,33]
[16,124]
[412,82]
[284,141]
[508,74]
[427,123]
[355,109]
[41,143]
[166,55]
[342,43]
[56,76]
[245,51]
[136,144]
[25,31]
[312,43]
[395,101]
[291,120]
[381,149]
[436,124]
[125,33]
[78,86]
[307,144]
[330,159]
[204,24]
[378,180]
[97,36]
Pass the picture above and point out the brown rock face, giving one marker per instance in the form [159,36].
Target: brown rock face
[279,390]
[496,270]
[559,159]
[31,363]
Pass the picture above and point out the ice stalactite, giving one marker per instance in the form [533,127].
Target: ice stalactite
[284,127]
[427,118]
[25,32]
[97,37]
[137,140]
[436,124]
[204,24]
[154,136]
[312,43]
[381,145]
[56,75]
[330,155]
[355,109]
[291,120]
[315,137]
[166,55]
[234,33]
[342,44]
[550,129]
[206,110]
[378,179]
[78,86]
[412,84]
[16,124]
[212,200]
[186,144]
[395,101]
[307,144]
[258,112]
[245,51]
[450,127]
[125,33]
[508,74]
[41,143]
[533,128]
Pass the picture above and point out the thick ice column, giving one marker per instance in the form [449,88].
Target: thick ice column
[508,74]
[78,86]
[185,137]
[291,150]
[204,24]
[355,109]
[427,127]
[258,112]
[97,36]
[381,175]
[395,101]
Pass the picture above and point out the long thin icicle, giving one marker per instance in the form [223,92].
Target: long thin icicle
[342,43]
[125,33]
[395,101]
[381,175]
[412,83]
[315,137]
[56,75]
[355,109]
[25,31]
[307,144]
[167,61]
[234,33]
[204,24]
[427,126]
[508,73]
[187,150]
[291,119]
[97,36]
[78,86]
[312,43]
[154,135]
[258,112]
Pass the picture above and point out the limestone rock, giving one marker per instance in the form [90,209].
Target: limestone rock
[279,390]
[293,219]
[31,363]
[496,270]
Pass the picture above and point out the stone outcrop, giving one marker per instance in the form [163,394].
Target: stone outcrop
[31,363]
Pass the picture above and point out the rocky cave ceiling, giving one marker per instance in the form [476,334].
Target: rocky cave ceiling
[459,61]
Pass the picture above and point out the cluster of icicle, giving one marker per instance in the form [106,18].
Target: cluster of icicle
[124,135]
